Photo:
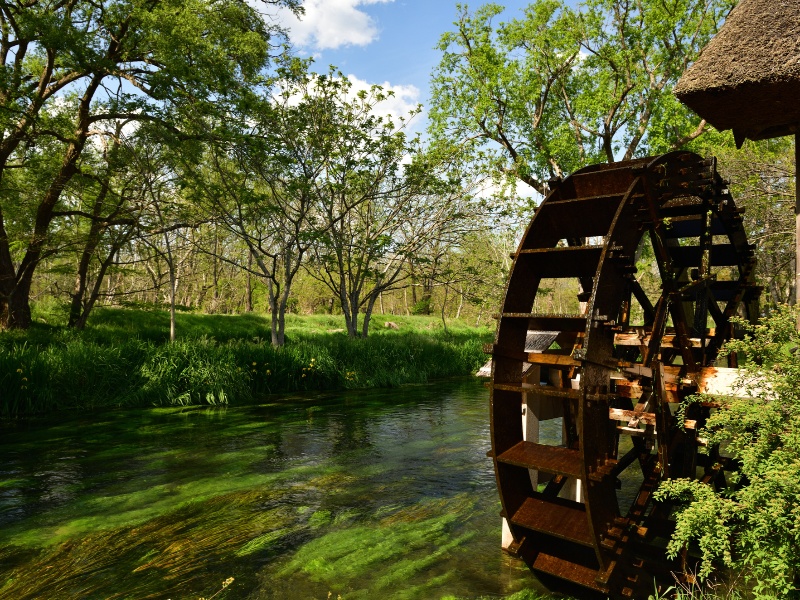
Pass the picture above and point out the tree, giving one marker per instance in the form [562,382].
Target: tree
[69,67]
[266,188]
[105,196]
[540,96]
[383,218]
[166,215]
[762,181]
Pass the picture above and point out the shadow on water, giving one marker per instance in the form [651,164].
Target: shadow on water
[365,494]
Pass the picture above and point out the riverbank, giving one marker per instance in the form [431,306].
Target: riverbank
[124,359]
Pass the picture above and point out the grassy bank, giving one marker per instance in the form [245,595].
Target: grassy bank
[125,359]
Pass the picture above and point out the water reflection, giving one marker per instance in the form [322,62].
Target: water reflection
[374,494]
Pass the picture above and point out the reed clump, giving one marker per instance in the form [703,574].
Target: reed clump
[111,365]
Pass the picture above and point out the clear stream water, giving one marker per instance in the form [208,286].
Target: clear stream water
[374,494]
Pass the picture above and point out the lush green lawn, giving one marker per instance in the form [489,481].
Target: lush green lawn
[124,359]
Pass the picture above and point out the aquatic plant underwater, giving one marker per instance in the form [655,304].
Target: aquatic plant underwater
[363,494]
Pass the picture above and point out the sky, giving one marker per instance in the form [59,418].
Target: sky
[386,42]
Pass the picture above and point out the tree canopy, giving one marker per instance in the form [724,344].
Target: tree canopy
[73,68]
[539,96]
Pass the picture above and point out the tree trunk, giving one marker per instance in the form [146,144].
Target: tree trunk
[15,309]
[423,307]
[272,299]
[215,274]
[444,307]
[350,311]
[15,313]
[172,286]
[367,315]
[248,307]
[89,302]
[79,291]
[281,324]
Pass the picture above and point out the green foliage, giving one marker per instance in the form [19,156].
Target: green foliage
[755,526]
[423,307]
[221,359]
[73,71]
[696,590]
[564,86]
[763,182]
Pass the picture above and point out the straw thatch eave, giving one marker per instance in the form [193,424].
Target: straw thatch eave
[748,76]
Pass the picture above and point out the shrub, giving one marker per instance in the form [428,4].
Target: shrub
[126,361]
[755,526]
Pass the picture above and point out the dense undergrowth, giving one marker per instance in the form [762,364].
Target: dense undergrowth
[125,359]
[751,528]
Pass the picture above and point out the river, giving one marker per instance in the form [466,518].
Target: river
[371,494]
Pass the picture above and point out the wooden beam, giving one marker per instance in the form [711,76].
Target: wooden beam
[552,360]
[640,339]
[618,414]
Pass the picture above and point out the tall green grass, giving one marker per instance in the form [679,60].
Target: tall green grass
[125,360]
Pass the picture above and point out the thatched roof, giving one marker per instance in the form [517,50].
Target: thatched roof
[748,76]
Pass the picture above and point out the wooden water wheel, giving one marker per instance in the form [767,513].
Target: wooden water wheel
[614,365]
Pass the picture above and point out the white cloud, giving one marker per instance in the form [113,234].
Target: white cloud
[330,24]
[404,100]
[519,189]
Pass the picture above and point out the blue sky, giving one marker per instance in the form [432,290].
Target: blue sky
[388,42]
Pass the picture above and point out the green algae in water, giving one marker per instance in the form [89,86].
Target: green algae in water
[320,518]
[391,554]
[378,495]
[263,542]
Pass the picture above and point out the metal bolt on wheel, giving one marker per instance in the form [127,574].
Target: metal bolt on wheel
[616,366]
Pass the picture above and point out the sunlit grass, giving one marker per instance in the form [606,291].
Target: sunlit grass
[124,359]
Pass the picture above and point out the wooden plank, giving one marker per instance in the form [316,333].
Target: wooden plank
[648,418]
[719,381]
[544,391]
[559,518]
[618,414]
[570,571]
[552,360]
[549,391]
[637,339]
[628,389]
[635,431]
[538,341]
[596,215]
[691,256]
[550,459]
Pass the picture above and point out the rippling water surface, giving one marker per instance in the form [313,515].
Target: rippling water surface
[378,494]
